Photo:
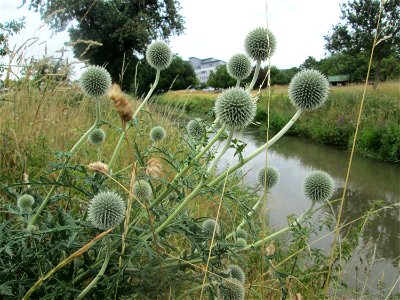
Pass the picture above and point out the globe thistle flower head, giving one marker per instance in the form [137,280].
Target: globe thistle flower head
[240,243]
[268,177]
[106,210]
[157,133]
[236,272]
[25,202]
[95,81]
[239,66]
[195,130]
[260,43]
[308,89]
[97,136]
[142,190]
[209,225]
[235,108]
[241,233]
[232,289]
[158,55]
[318,186]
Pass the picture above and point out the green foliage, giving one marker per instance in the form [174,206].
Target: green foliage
[8,29]
[122,27]
[220,78]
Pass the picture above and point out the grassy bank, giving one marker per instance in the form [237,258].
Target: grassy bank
[334,123]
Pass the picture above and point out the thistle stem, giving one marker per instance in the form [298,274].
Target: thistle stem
[255,76]
[73,150]
[102,270]
[129,124]
[214,163]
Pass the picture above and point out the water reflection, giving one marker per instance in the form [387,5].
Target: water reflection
[370,180]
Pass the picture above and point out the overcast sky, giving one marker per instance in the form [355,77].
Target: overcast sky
[217,28]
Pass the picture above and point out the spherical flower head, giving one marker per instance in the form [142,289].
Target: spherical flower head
[157,133]
[308,89]
[239,66]
[236,272]
[241,233]
[232,289]
[106,210]
[25,202]
[209,225]
[240,243]
[142,190]
[235,108]
[95,81]
[268,177]
[260,43]
[97,136]
[195,130]
[318,186]
[158,55]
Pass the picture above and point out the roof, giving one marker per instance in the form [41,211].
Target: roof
[338,78]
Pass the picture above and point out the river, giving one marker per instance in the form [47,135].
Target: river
[369,181]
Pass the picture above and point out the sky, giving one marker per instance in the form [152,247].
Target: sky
[214,28]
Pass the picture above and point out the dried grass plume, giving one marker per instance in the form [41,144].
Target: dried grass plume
[122,105]
[154,167]
[98,167]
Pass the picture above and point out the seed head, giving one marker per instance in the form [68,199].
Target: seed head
[232,289]
[240,243]
[142,190]
[157,133]
[318,186]
[195,130]
[241,233]
[308,89]
[98,166]
[95,81]
[208,227]
[97,136]
[159,55]
[268,177]
[25,202]
[236,272]
[106,210]
[260,43]
[235,108]
[239,66]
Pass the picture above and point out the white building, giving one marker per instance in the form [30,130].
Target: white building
[203,67]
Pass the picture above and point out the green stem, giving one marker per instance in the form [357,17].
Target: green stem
[129,124]
[190,291]
[214,163]
[282,231]
[73,150]
[255,76]
[258,151]
[238,83]
[187,167]
[102,270]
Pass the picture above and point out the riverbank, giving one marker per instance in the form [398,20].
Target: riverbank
[333,124]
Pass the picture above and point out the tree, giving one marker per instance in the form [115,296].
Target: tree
[310,63]
[8,29]
[178,76]
[220,78]
[112,32]
[355,33]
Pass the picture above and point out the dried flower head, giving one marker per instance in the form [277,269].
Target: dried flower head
[154,167]
[121,104]
[98,166]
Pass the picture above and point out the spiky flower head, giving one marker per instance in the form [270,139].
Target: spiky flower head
[157,133]
[208,227]
[232,289]
[236,272]
[97,136]
[239,66]
[240,243]
[235,108]
[142,190]
[308,89]
[268,177]
[260,43]
[95,81]
[106,210]
[158,55]
[25,202]
[195,130]
[241,233]
[318,186]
